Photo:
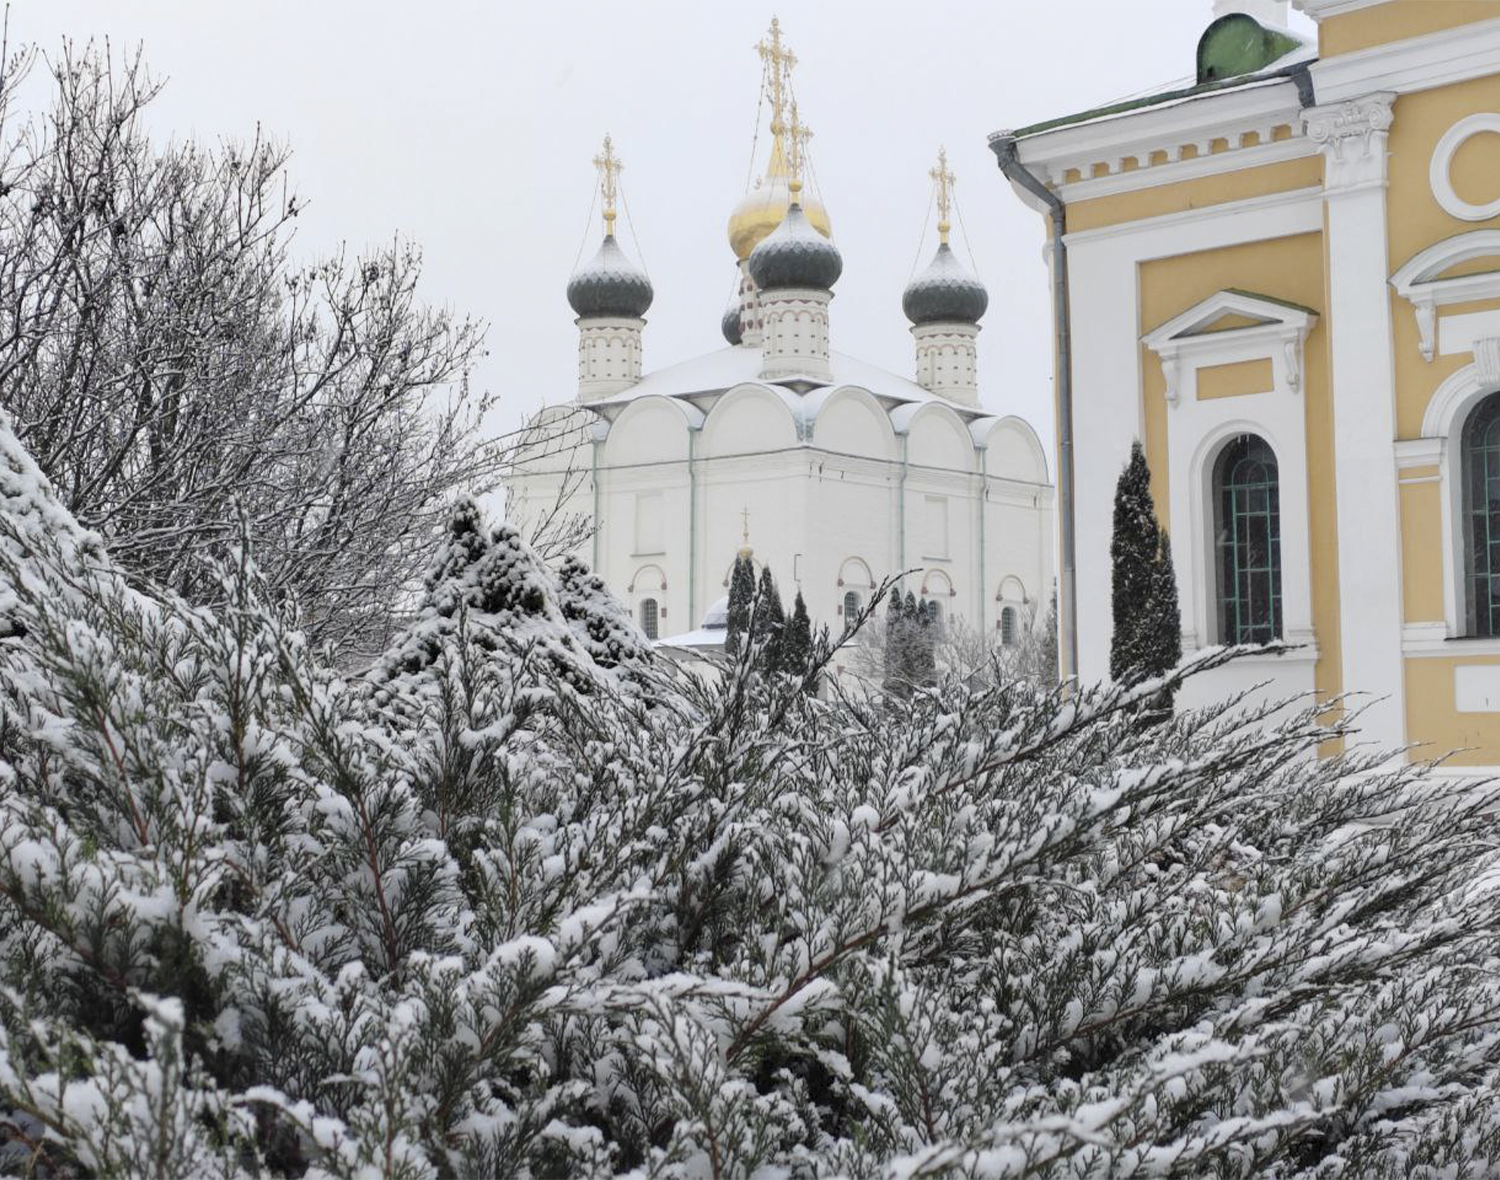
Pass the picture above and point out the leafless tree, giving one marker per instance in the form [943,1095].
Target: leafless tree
[172,368]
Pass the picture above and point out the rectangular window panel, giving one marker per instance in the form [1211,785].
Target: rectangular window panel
[648,524]
[935,532]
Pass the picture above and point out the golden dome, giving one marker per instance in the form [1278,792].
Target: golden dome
[762,208]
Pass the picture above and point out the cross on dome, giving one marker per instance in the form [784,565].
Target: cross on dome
[609,166]
[945,180]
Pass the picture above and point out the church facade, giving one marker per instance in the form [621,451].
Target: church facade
[1285,281]
[835,473]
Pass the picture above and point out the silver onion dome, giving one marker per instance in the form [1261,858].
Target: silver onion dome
[795,254]
[731,325]
[945,293]
[609,285]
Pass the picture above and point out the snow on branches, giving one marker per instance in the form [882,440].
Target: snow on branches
[494,908]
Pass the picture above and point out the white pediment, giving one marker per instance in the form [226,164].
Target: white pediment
[1230,326]
[1422,283]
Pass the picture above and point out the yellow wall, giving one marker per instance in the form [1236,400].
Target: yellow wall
[1421,545]
[1288,268]
[1234,380]
[1433,720]
[1397,20]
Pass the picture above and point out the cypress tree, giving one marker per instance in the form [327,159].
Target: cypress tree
[1147,637]
[741,595]
[796,640]
[770,618]
[911,640]
[894,614]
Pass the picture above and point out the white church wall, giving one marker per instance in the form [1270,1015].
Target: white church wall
[938,438]
[851,422]
[747,419]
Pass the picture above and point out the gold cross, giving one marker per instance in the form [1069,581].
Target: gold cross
[609,166]
[745,515]
[798,133]
[778,65]
[945,182]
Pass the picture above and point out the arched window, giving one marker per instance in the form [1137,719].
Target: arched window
[851,606]
[649,614]
[1008,625]
[1247,511]
[1481,490]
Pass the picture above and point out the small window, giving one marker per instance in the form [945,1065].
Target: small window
[934,611]
[1248,541]
[851,605]
[1008,626]
[649,615]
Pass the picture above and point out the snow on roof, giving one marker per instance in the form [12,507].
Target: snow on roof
[716,372]
[710,635]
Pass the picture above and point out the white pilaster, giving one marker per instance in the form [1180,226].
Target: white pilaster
[751,315]
[946,360]
[1352,137]
[795,333]
[609,356]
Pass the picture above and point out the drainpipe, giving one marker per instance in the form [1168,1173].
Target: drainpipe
[901,516]
[1003,144]
[692,619]
[984,492]
[594,479]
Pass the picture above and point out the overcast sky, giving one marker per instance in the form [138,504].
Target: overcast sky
[470,127]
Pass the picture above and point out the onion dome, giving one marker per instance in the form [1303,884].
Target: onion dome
[946,292]
[762,209]
[795,254]
[732,327]
[610,285]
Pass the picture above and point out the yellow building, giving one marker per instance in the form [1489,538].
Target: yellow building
[1285,280]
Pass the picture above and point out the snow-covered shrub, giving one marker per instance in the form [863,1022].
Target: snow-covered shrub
[488,910]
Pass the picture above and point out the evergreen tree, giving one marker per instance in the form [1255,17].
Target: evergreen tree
[1049,664]
[895,614]
[741,600]
[600,623]
[796,640]
[769,620]
[1147,622]
[258,918]
[913,663]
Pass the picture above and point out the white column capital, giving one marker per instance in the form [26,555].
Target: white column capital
[1352,136]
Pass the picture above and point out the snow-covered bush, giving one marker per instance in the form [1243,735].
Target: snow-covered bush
[496,908]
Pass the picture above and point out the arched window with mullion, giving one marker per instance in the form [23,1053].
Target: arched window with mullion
[1481,490]
[1247,509]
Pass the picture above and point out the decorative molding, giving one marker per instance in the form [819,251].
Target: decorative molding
[1487,359]
[1186,344]
[1416,63]
[1418,281]
[1310,198]
[1418,452]
[1352,137]
[1438,173]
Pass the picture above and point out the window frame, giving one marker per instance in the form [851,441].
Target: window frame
[1233,586]
[650,628]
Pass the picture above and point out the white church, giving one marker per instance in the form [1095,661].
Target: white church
[832,471]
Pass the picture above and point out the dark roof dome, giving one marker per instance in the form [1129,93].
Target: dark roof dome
[731,325]
[945,293]
[795,254]
[610,285]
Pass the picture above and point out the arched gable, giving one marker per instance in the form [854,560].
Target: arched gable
[938,438]
[851,422]
[749,419]
[1012,450]
[651,429]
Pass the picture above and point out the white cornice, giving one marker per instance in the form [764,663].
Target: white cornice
[1418,281]
[1186,341]
[1323,9]
[1184,170]
[1417,63]
[1311,199]
[1225,114]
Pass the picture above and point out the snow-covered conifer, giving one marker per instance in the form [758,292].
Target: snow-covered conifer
[796,640]
[741,598]
[601,624]
[1147,638]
